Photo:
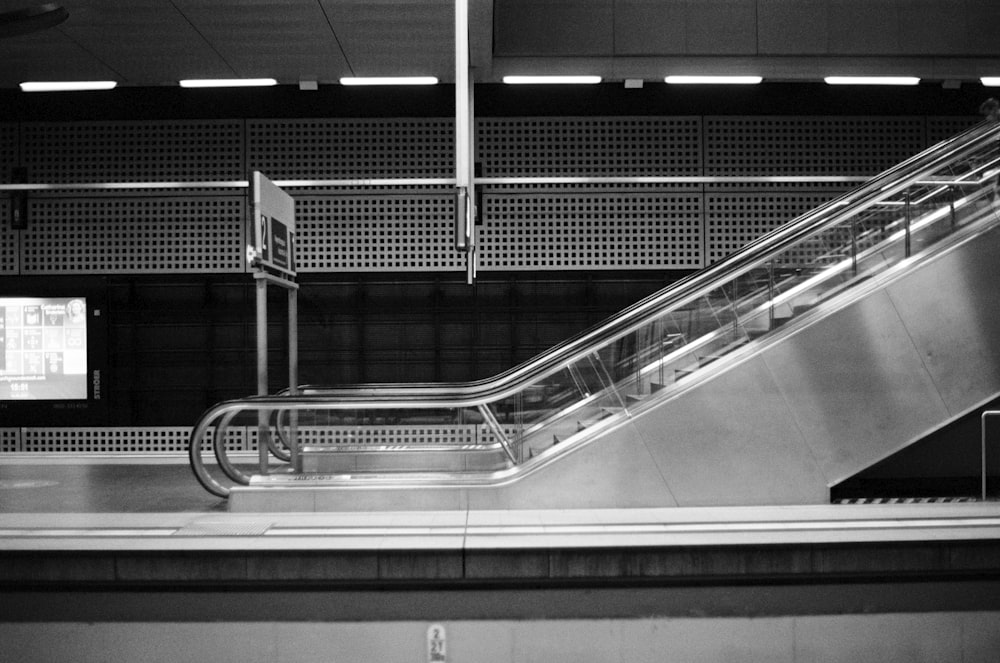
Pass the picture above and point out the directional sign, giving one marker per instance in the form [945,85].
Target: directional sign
[273,226]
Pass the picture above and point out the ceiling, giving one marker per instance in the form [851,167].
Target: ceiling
[158,42]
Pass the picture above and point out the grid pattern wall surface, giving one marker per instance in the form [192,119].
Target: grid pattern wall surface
[134,235]
[9,241]
[409,228]
[941,128]
[810,145]
[175,439]
[388,435]
[353,148]
[126,440]
[8,150]
[10,440]
[387,233]
[734,219]
[173,151]
[581,146]
[592,231]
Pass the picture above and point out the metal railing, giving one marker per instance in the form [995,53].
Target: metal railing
[588,382]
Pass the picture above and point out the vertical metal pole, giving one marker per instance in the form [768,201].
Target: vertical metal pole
[293,374]
[262,382]
[982,459]
[464,219]
[770,296]
[907,241]
[854,247]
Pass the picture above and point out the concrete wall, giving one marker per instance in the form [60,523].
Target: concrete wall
[887,638]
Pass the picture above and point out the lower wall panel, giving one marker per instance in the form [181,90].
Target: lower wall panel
[887,638]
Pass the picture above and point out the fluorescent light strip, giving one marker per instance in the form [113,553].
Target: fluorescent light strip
[871,80]
[712,80]
[227,82]
[551,80]
[66,86]
[990,81]
[389,80]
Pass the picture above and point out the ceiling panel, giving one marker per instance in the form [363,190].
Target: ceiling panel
[396,37]
[141,41]
[157,42]
[284,40]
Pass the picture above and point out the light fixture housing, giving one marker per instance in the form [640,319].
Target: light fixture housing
[551,80]
[712,80]
[990,81]
[388,80]
[227,82]
[871,80]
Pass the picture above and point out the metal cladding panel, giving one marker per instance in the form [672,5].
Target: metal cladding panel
[614,230]
[10,440]
[160,439]
[393,233]
[9,241]
[809,145]
[135,151]
[618,471]
[733,440]
[957,293]
[856,386]
[409,228]
[732,220]
[134,235]
[8,150]
[589,146]
[316,149]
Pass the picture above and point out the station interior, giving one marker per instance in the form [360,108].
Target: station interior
[500,331]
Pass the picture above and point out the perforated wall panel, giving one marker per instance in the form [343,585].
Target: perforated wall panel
[735,219]
[809,145]
[170,151]
[592,231]
[170,439]
[940,128]
[8,150]
[10,440]
[132,235]
[352,148]
[390,435]
[596,146]
[10,245]
[524,227]
[405,232]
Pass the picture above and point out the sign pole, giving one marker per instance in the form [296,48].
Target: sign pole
[271,253]
[262,381]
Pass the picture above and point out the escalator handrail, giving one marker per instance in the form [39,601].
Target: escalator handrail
[754,254]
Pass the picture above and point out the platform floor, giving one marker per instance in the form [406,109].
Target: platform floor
[100,486]
[76,502]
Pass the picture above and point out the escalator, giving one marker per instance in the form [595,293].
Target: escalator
[799,360]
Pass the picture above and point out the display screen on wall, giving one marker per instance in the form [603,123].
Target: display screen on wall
[53,351]
[44,348]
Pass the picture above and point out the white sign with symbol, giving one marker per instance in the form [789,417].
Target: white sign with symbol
[436,644]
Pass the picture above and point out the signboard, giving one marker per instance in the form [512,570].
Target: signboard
[272,215]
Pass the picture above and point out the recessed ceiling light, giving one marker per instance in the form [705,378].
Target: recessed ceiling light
[228,82]
[990,81]
[389,80]
[871,80]
[551,80]
[712,80]
[66,86]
